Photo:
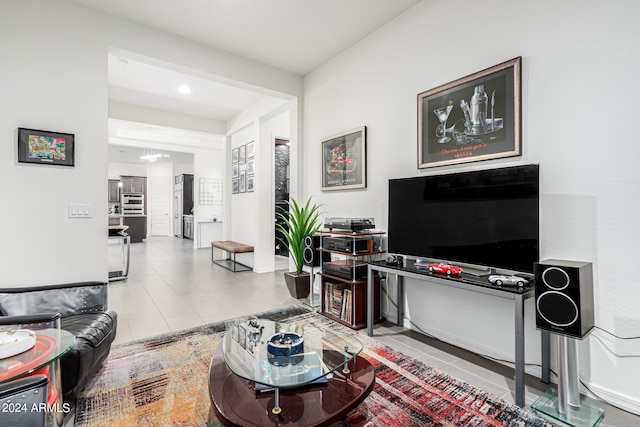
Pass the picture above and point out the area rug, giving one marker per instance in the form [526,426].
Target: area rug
[162,381]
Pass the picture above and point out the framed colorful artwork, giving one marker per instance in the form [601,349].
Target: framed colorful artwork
[45,147]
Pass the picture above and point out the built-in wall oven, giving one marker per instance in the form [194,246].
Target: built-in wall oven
[132,204]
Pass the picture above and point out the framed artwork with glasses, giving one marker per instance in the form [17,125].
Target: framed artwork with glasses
[477,117]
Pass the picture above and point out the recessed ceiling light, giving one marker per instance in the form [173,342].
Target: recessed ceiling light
[184,89]
[123,62]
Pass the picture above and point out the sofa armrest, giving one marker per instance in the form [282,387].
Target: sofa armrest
[30,321]
[67,299]
[21,401]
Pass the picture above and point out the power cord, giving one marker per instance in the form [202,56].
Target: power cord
[510,362]
[616,336]
[622,356]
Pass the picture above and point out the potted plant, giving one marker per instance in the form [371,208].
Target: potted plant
[299,221]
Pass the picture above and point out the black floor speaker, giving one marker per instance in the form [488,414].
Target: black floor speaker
[311,256]
[564,297]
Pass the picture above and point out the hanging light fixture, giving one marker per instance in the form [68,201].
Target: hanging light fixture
[149,153]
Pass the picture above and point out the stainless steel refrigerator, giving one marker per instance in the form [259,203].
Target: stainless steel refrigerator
[182,201]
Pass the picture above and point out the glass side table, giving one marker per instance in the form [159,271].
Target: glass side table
[42,358]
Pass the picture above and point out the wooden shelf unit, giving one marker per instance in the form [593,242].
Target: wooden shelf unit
[343,299]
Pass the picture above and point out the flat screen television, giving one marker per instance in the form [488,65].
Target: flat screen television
[487,218]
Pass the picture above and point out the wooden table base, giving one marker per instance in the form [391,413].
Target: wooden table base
[235,401]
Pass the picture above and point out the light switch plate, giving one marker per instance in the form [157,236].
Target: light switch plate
[79,210]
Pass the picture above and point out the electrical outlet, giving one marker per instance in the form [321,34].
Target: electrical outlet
[79,211]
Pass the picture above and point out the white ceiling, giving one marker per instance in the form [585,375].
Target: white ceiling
[292,35]
[130,154]
[133,81]
[128,141]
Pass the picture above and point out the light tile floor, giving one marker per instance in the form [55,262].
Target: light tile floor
[172,286]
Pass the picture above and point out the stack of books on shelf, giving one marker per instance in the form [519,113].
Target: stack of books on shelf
[338,301]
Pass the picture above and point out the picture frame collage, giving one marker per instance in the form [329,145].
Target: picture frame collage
[243,169]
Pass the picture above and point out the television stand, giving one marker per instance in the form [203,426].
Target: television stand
[422,262]
[518,295]
[478,272]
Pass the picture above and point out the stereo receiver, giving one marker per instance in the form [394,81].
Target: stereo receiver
[351,245]
[346,269]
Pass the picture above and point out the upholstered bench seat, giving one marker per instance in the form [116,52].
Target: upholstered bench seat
[232,248]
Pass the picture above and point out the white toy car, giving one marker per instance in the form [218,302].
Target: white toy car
[500,279]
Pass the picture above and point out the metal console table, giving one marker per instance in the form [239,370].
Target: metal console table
[518,295]
[120,239]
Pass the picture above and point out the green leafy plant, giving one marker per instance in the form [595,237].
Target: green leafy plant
[298,222]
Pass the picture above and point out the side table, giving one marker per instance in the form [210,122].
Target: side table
[43,357]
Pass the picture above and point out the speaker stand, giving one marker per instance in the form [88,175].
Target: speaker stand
[314,299]
[564,403]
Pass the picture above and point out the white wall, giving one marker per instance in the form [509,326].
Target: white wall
[66,90]
[243,204]
[252,213]
[183,168]
[579,89]
[152,116]
[117,169]
[208,164]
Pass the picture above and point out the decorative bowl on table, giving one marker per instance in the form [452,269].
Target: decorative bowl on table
[283,348]
[16,342]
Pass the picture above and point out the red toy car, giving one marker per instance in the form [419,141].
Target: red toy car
[440,267]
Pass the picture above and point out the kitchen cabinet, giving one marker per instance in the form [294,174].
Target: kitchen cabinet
[137,227]
[133,184]
[114,191]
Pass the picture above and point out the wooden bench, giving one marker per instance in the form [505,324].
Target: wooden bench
[232,248]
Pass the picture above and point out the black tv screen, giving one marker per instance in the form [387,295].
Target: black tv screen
[486,218]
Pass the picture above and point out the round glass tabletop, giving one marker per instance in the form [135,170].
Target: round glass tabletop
[273,355]
[50,345]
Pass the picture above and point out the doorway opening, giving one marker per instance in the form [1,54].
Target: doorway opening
[281,168]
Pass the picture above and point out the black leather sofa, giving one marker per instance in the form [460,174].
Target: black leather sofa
[80,308]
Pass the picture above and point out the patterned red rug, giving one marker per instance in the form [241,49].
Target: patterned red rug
[162,381]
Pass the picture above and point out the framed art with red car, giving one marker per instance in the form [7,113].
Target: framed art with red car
[344,160]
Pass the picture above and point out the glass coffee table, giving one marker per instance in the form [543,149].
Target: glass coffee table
[266,373]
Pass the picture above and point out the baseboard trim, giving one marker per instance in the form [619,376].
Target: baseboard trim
[613,398]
